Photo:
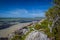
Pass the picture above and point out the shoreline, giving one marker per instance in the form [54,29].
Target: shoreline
[5,32]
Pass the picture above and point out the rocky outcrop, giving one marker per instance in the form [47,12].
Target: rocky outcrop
[37,35]
[19,32]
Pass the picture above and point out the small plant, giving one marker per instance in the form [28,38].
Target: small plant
[37,26]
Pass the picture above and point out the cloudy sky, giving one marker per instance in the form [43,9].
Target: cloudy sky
[24,8]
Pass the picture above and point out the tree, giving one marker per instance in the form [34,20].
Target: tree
[53,15]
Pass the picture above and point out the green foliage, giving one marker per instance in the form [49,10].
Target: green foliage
[44,24]
[31,28]
[17,37]
[52,14]
[49,34]
[37,26]
[57,2]
[57,33]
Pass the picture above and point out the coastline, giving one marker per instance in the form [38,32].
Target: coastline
[5,32]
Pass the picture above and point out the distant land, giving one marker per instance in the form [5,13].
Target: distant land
[7,22]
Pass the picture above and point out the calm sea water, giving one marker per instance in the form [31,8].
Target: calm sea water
[6,24]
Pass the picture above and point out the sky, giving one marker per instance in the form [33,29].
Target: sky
[24,8]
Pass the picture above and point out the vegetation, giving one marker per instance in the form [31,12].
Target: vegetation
[17,37]
[53,14]
[22,37]
[51,25]
[37,26]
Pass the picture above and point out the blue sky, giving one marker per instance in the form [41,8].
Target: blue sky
[24,8]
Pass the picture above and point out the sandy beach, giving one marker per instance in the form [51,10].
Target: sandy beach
[7,31]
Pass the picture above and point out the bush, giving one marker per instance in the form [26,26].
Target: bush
[37,26]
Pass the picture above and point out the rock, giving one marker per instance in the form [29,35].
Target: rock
[19,32]
[36,35]
[25,31]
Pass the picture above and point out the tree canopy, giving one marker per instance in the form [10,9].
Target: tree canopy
[53,14]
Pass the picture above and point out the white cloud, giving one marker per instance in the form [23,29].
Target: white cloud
[40,14]
[18,11]
[25,13]
[35,14]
